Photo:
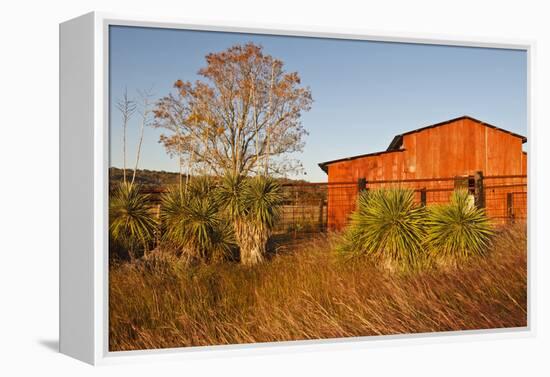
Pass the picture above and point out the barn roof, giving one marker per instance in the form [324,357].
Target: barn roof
[324,165]
[397,142]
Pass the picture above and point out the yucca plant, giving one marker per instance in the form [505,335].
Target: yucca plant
[387,227]
[263,198]
[193,224]
[457,230]
[253,205]
[131,223]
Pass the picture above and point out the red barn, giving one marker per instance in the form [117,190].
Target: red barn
[432,160]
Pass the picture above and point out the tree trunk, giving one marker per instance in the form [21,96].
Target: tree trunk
[252,240]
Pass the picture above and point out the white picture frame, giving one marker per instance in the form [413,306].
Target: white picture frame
[84,186]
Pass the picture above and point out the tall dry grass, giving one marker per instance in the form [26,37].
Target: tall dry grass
[311,294]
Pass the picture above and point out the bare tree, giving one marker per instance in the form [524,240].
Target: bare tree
[179,146]
[246,111]
[146,104]
[127,108]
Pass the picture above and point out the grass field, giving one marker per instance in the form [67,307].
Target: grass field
[309,293]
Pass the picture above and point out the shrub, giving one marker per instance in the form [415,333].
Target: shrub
[131,224]
[193,224]
[457,230]
[253,205]
[388,228]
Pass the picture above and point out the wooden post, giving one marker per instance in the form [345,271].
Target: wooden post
[423,197]
[479,195]
[361,184]
[510,207]
[321,205]
[294,213]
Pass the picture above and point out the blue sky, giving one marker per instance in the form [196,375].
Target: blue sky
[364,92]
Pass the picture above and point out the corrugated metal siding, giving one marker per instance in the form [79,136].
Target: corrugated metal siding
[459,148]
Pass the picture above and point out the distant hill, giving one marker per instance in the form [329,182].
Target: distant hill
[153,179]
[150,179]
[159,180]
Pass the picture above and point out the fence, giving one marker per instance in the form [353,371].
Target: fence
[304,208]
[506,197]
[503,197]
[310,208]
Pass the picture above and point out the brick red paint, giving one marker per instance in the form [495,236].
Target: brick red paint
[457,148]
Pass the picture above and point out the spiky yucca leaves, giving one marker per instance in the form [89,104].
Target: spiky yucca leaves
[263,198]
[253,205]
[457,230]
[230,195]
[388,228]
[193,224]
[131,223]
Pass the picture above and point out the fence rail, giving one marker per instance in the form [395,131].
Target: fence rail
[310,207]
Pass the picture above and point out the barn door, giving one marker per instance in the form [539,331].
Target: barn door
[467,183]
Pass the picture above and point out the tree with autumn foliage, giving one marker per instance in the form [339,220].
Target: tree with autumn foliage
[242,118]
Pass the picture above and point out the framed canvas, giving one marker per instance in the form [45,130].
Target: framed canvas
[242,189]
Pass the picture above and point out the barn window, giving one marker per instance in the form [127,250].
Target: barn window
[471,185]
[467,183]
